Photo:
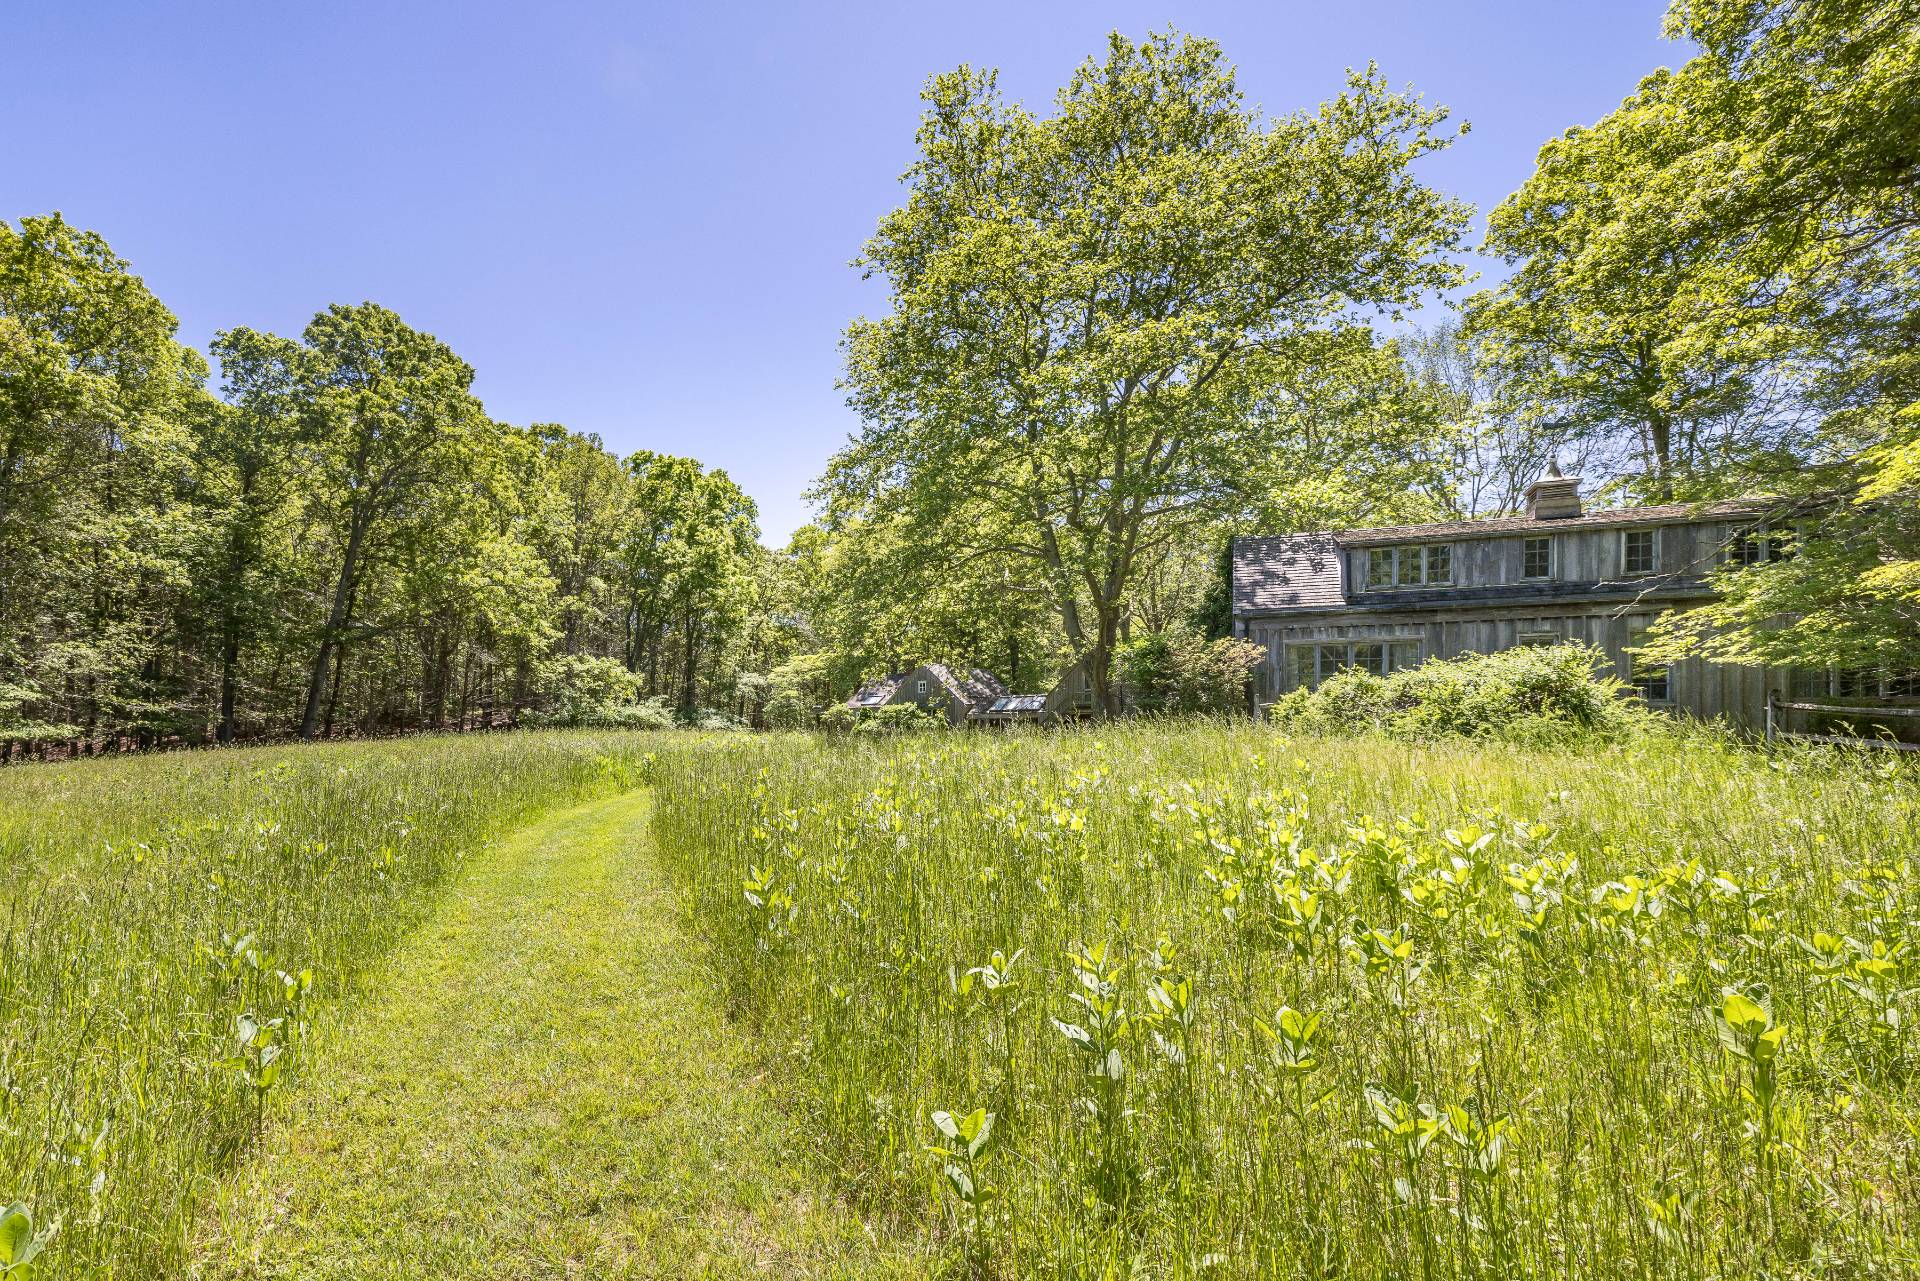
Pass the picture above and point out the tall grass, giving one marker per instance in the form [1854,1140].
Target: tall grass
[152,902]
[1208,1001]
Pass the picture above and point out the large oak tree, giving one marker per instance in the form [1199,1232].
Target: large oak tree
[1088,309]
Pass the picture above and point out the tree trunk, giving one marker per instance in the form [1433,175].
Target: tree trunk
[333,698]
[1660,429]
[1106,696]
[337,617]
[688,672]
[229,685]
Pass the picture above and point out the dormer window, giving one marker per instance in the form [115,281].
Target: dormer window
[1640,552]
[1537,558]
[1430,564]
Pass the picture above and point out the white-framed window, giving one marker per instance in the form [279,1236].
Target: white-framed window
[1536,557]
[920,688]
[1653,680]
[1311,662]
[1415,565]
[1640,552]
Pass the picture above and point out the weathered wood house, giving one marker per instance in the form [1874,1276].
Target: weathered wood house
[1012,709]
[1070,699]
[933,687]
[1390,598]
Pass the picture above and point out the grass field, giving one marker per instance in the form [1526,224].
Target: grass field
[542,1088]
[153,903]
[1142,1002]
[1239,1006]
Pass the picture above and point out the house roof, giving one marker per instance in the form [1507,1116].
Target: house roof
[1286,571]
[1510,526]
[1014,705]
[985,682]
[874,693]
[974,688]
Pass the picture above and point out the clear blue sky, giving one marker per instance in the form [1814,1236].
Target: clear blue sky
[635,219]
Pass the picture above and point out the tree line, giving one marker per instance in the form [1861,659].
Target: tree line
[332,536]
[1116,335]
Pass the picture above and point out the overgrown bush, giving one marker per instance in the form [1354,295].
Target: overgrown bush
[788,709]
[1531,692]
[837,719]
[1181,671]
[897,718]
[712,718]
[576,689]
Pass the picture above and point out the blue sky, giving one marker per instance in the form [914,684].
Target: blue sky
[636,219]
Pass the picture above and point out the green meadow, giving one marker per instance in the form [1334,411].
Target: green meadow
[1181,1000]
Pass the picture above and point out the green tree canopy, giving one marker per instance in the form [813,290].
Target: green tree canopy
[1084,306]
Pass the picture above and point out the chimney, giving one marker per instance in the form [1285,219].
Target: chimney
[1553,496]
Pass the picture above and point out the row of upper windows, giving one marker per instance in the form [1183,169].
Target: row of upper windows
[1431,564]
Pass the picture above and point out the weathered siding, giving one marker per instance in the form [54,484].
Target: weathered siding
[1579,556]
[1699,688]
[936,698]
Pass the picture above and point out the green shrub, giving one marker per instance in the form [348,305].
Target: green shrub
[898,718]
[837,719]
[1180,671]
[1531,692]
[578,690]
[790,709]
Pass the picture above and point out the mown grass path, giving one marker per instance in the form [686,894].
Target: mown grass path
[545,1086]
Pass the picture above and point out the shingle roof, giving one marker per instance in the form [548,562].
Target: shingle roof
[874,693]
[1286,571]
[975,688]
[1014,705]
[1493,527]
[986,683]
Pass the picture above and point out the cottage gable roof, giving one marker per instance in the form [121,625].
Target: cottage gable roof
[876,693]
[1286,571]
[975,688]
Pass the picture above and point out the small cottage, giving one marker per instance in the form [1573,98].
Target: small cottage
[932,687]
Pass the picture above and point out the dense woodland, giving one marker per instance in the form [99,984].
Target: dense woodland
[1117,334]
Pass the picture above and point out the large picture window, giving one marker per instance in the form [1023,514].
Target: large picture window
[1311,663]
[1429,564]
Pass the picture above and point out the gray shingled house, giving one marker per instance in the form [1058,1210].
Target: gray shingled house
[933,687]
[1390,598]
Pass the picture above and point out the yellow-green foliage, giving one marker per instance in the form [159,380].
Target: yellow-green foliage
[1205,1001]
[172,922]
[1530,693]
